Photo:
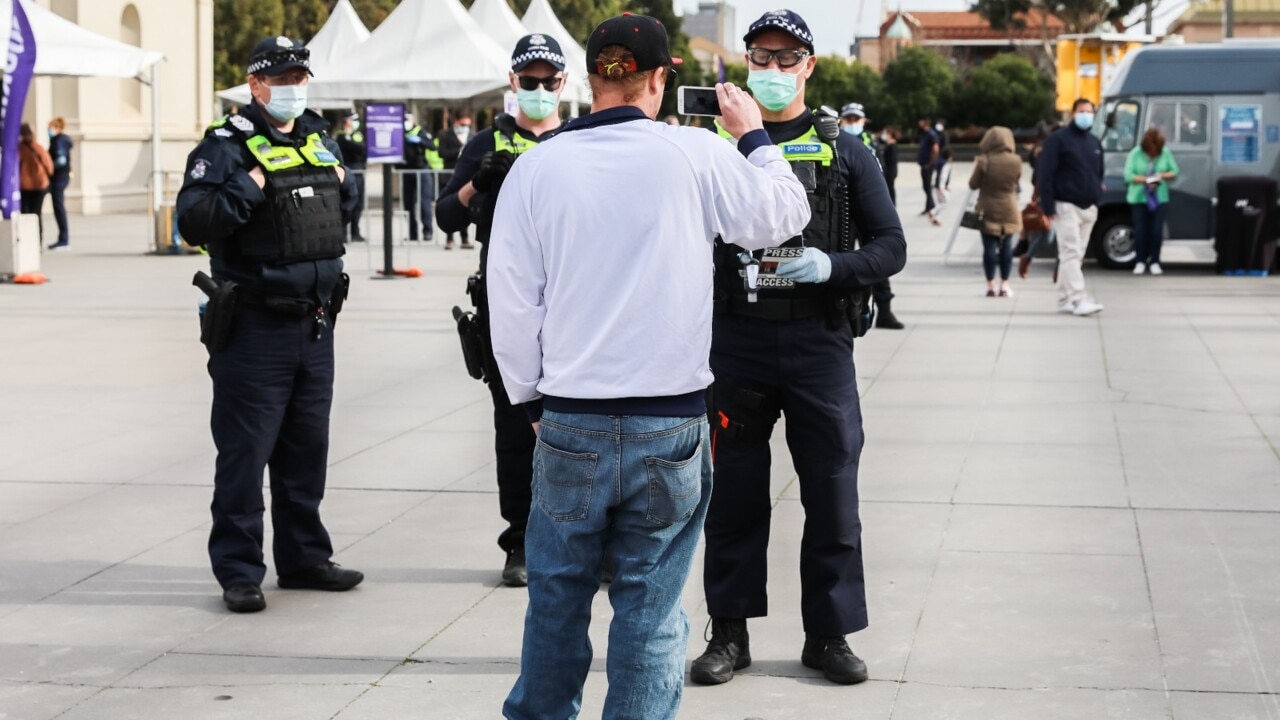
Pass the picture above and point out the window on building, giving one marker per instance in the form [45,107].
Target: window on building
[131,33]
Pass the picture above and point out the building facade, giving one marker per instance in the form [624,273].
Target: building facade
[714,22]
[966,37]
[110,120]
[1202,21]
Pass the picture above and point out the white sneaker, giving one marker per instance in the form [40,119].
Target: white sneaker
[1156,269]
[1066,307]
[1142,267]
[1086,307]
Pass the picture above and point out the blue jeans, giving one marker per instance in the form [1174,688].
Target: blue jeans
[997,248]
[636,487]
[1148,231]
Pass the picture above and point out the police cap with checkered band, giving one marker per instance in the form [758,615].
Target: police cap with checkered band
[535,47]
[275,55]
[784,20]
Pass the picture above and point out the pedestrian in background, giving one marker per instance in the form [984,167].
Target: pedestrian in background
[60,149]
[1148,171]
[355,154]
[600,289]
[35,168]
[927,159]
[1070,175]
[996,172]
[888,142]
[449,145]
[941,187]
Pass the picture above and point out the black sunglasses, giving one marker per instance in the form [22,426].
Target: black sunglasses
[785,58]
[528,82]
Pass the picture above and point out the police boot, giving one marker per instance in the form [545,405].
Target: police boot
[514,573]
[885,319]
[729,649]
[833,657]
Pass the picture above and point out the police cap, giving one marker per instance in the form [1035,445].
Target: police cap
[535,47]
[785,20]
[274,55]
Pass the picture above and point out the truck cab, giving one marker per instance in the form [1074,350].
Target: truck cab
[1218,107]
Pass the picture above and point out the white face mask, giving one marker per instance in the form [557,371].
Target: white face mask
[855,129]
[463,132]
[288,102]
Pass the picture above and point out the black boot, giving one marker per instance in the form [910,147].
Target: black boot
[244,598]
[328,576]
[885,319]
[514,573]
[834,658]
[728,650]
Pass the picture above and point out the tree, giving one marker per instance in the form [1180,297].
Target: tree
[1006,90]
[917,84]
[237,26]
[1079,16]
[836,82]
[303,18]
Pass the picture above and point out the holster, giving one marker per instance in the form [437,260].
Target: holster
[471,333]
[219,312]
[339,296]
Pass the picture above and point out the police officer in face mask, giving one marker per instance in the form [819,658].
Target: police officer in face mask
[782,343]
[537,77]
[266,193]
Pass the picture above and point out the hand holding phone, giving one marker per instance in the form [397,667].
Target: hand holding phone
[697,101]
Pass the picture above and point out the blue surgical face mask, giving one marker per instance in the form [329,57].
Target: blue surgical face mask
[537,103]
[854,129]
[1084,120]
[53,133]
[288,102]
[773,89]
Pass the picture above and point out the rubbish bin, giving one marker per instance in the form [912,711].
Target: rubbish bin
[1246,225]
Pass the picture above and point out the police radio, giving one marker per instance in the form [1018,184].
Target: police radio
[827,122]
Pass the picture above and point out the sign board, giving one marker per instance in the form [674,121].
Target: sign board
[1240,127]
[384,133]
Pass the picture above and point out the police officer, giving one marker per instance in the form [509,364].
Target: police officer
[265,192]
[537,76]
[417,143]
[450,144]
[782,342]
[853,120]
[355,155]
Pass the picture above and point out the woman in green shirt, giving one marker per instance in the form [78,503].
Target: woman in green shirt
[1147,171]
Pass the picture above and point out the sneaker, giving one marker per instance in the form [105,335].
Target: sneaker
[468,245]
[1006,292]
[1156,269]
[1066,307]
[59,247]
[834,658]
[1141,268]
[514,573]
[448,244]
[328,576]
[244,598]
[1086,307]
[991,292]
[728,650]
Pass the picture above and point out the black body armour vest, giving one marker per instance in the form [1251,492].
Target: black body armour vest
[301,218]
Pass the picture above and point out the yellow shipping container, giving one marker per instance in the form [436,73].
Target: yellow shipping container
[1086,64]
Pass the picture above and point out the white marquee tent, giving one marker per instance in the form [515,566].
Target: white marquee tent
[542,19]
[425,50]
[497,19]
[335,44]
[64,48]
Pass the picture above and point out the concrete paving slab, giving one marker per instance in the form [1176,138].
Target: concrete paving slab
[1214,706]
[1054,530]
[31,701]
[286,702]
[234,672]
[919,701]
[26,501]
[1035,474]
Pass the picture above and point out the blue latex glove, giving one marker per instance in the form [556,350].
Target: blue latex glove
[812,267]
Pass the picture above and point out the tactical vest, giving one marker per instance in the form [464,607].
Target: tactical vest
[435,160]
[301,218]
[813,162]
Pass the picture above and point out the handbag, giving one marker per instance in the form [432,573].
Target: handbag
[1033,218]
[972,219]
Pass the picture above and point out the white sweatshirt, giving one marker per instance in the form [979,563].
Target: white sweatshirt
[600,259]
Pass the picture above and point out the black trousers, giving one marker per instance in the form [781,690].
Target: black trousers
[890,180]
[926,178]
[882,292]
[32,201]
[806,369]
[513,443]
[272,391]
[58,191]
[409,197]
[359,211]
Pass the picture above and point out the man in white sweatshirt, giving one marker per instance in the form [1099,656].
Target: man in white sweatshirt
[600,290]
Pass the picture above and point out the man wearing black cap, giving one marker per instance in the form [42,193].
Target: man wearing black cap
[784,344]
[355,155]
[853,120]
[537,76]
[600,288]
[266,193]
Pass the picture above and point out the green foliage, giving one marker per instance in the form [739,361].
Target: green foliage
[1079,16]
[917,84]
[1005,90]
[836,82]
[238,25]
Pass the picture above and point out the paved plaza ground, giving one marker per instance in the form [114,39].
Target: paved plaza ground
[1064,517]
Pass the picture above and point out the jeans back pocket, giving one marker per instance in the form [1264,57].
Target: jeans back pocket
[675,488]
[562,481]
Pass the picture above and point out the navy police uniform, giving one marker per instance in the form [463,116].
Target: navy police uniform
[355,155]
[281,246]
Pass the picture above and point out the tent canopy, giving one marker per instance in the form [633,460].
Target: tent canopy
[496,19]
[540,18]
[65,48]
[425,50]
[332,46]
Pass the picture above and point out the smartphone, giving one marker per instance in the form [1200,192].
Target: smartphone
[697,101]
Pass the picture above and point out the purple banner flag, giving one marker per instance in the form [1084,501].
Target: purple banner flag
[719,69]
[19,66]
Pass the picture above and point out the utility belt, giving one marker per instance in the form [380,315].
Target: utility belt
[473,332]
[852,307]
[226,298]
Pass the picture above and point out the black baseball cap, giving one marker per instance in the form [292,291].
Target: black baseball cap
[537,46]
[644,36]
[784,20]
[274,55]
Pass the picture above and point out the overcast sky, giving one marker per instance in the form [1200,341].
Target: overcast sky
[835,22]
